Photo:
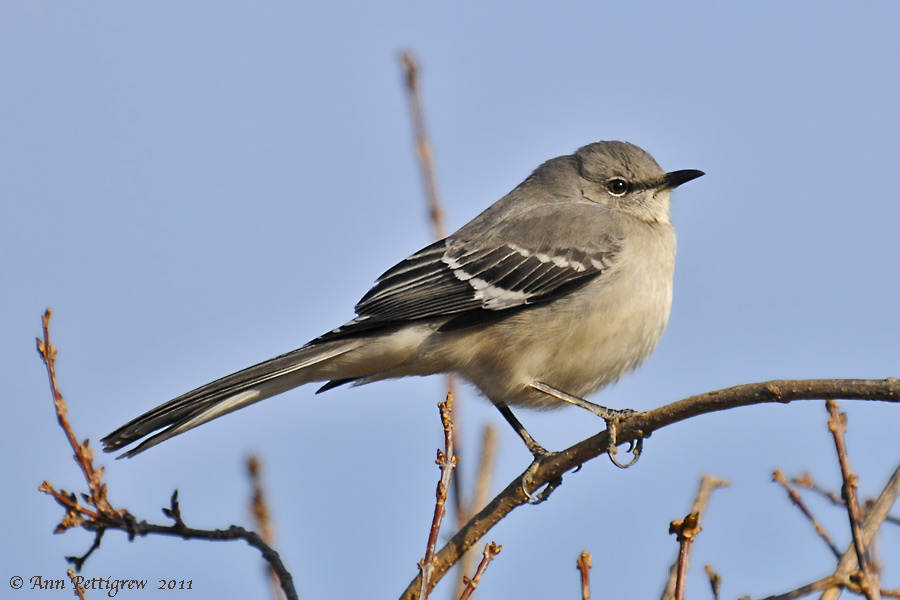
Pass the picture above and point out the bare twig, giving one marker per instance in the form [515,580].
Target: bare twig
[871,524]
[642,424]
[490,551]
[584,563]
[259,511]
[84,455]
[832,581]
[778,477]
[79,588]
[482,488]
[423,147]
[837,424]
[685,531]
[708,484]
[437,218]
[715,581]
[104,517]
[446,460]
[806,481]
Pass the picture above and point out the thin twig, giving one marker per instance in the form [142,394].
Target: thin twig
[104,517]
[584,563]
[437,218]
[490,551]
[83,454]
[259,511]
[685,531]
[806,481]
[708,484]
[837,424]
[778,477]
[643,424]
[871,524]
[446,460]
[833,581]
[482,488]
[76,583]
[715,581]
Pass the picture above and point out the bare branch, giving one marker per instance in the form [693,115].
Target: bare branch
[259,510]
[871,524]
[482,488]
[708,484]
[490,551]
[715,581]
[778,477]
[104,517]
[584,563]
[685,531]
[447,462]
[79,588]
[837,424]
[643,424]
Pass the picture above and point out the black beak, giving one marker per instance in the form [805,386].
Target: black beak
[675,178]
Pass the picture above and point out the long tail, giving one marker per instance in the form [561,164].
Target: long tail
[228,394]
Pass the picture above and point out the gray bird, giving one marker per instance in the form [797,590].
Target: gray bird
[561,287]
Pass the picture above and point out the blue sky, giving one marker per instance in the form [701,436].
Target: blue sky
[198,186]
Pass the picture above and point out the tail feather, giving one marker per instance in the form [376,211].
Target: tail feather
[225,395]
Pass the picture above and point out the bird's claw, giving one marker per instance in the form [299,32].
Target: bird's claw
[544,492]
[635,447]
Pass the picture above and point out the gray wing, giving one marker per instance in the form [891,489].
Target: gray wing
[450,278]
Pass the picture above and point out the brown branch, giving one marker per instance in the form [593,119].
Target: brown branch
[437,218]
[79,588]
[482,488]
[708,484]
[832,581]
[715,581]
[871,524]
[584,563]
[259,511]
[83,454]
[837,424]
[554,466]
[778,477]
[806,482]
[446,460]
[490,551]
[685,531]
[104,517]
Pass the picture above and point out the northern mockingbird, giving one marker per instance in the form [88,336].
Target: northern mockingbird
[561,287]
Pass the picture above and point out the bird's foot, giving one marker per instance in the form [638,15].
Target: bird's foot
[612,417]
[538,495]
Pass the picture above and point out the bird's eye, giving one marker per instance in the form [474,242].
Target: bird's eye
[617,187]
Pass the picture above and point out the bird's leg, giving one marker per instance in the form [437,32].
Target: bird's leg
[612,417]
[538,451]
